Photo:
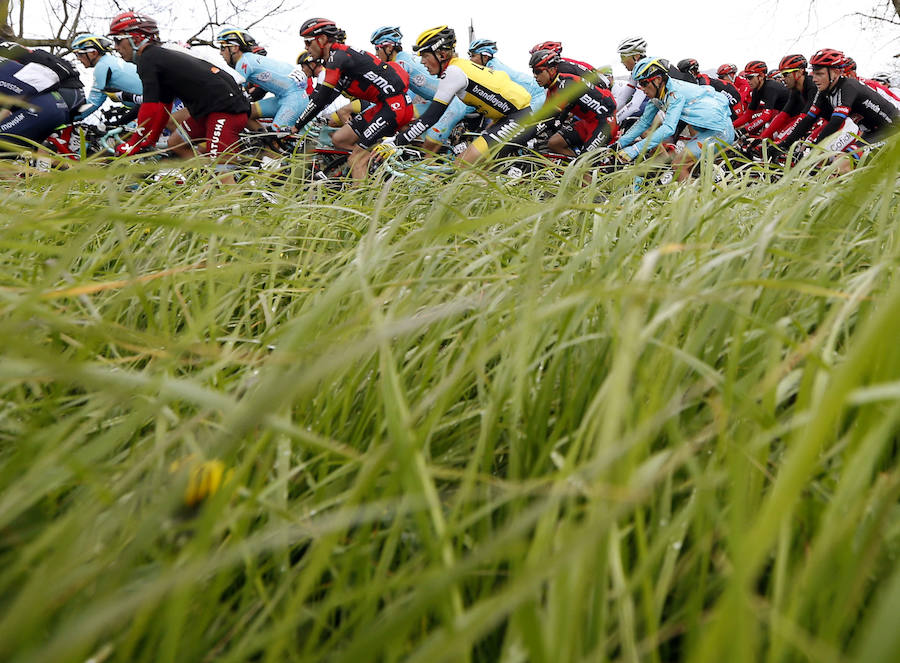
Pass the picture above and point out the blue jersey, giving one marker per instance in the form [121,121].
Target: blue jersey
[271,75]
[111,74]
[420,81]
[290,98]
[699,106]
[538,94]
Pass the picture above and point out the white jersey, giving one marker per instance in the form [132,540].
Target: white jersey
[632,104]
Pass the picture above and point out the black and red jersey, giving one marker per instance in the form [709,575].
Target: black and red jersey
[726,88]
[592,102]
[847,99]
[204,88]
[595,106]
[583,70]
[362,75]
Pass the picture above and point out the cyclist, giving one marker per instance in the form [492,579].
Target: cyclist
[289,96]
[884,90]
[570,66]
[729,73]
[491,92]
[691,68]
[631,105]
[217,106]
[700,107]
[363,76]
[593,110]
[839,98]
[113,77]
[801,91]
[484,51]
[50,86]
[387,41]
[768,99]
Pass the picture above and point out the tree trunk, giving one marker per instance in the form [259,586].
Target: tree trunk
[896,7]
[6,32]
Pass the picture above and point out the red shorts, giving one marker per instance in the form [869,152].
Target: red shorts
[380,120]
[220,131]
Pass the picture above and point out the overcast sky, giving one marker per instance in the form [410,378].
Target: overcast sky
[713,31]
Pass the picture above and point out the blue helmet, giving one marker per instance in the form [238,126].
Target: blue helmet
[485,46]
[87,41]
[386,35]
[649,68]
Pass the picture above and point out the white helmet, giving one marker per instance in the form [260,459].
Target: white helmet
[633,45]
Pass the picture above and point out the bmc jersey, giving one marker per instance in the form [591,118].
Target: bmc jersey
[203,87]
[590,104]
[490,92]
[363,76]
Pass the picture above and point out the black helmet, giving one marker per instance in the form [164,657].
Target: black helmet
[313,27]
[543,58]
[689,66]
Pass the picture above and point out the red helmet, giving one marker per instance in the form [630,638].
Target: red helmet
[849,64]
[789,62]
[133,23]
[755,68]
[314,27]
[726,70]
[827,57]
[554,46]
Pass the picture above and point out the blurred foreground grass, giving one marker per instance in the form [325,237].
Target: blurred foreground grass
[475,421]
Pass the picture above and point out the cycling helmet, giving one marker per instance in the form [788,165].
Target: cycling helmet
[483,47]
[88,41]
[542,59]
[386,35]
[554,46]
[882,77]
[727,69]
[688,66]
[648,68]
[435,39]
[235,37]
[827,57]
[849,64]
[755,68]
[133,24]
[306,58]
[633,46]
[313,27]
[792,62]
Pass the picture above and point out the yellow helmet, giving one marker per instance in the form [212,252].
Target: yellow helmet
[434,39]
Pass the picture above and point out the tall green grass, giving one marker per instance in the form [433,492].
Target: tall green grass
[477,420]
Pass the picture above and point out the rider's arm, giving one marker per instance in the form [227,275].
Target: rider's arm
[777,124]
[323,96]
[151,120]
[96,97]
[640,126]
[666,129]
[632,106]
[454,80]
[327,91]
